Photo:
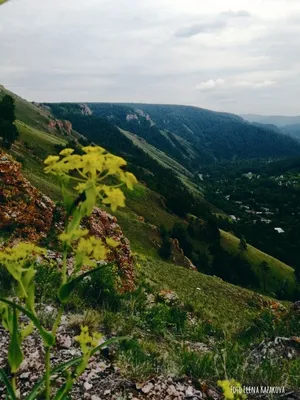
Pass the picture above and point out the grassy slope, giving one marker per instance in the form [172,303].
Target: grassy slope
[31,149]
[27,112]
[225,304]
[158,155]
[279,272]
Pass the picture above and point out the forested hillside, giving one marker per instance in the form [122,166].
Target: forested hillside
[192,136]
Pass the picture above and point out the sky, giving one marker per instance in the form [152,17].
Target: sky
[240,56]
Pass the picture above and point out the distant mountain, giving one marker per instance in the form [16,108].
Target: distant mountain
[287,125]
[192,136]
[278,120]
[292,130]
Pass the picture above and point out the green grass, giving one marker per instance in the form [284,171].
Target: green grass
[158,155]
[150,205]
[27,112]
[226,305]
[41,142]
[32,147]
[279,272]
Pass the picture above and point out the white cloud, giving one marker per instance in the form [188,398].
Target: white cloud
[210,84]
[256,85]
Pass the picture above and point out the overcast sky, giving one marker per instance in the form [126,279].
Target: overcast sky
[241,56]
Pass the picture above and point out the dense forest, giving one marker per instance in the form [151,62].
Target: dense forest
[262,200]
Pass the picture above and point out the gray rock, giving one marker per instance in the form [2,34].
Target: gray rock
[87,386]
[147,388]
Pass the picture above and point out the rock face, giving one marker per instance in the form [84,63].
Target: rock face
[179,256]
[24,211]
[27,215]
[85,110]
[102,225]
[65,126]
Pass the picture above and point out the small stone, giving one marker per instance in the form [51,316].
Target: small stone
[107,392]
[147,388]
[95,397]
[172,391]
[189,391]
[87,386]
[25,375]
[180,387]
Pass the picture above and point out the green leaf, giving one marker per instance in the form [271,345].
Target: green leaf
[29,287]
[48,338]
[9,388]
[67,199]
[82,366]
[15,355]
[91,200]
[68,364]
[3,1]
[67,289]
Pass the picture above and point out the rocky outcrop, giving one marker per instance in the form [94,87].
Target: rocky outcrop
[85,109]
[26,214]
[63,126]
[179,257]
[276,350]
[67,125]
[102,225]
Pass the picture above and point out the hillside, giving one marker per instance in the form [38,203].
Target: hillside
[199,135]
[177,322]
[143,202]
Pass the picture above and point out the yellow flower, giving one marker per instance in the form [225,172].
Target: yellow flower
[73,235]
[86,341]
[113,164]
[232,389]
[51,160]
[90,164]
[129,180]
[115,197]
[16,260]
[80,188]
[93,149]
[66,152]
[112,243]
[92,247]
[90,169]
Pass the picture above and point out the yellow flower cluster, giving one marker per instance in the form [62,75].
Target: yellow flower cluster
[90,170]
[92,247]
[72,235]
[86,341]
[17,260]
[232,389]
[22,252]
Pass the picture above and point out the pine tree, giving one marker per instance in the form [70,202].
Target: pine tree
[243,244]
[265,268]
[8,130]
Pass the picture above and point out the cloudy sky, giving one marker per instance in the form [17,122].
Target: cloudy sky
[240,56]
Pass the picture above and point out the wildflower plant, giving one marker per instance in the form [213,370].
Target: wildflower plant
[90,175]
[232,389]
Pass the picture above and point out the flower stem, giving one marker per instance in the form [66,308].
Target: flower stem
[64,268]
[14,384]
[47,375]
